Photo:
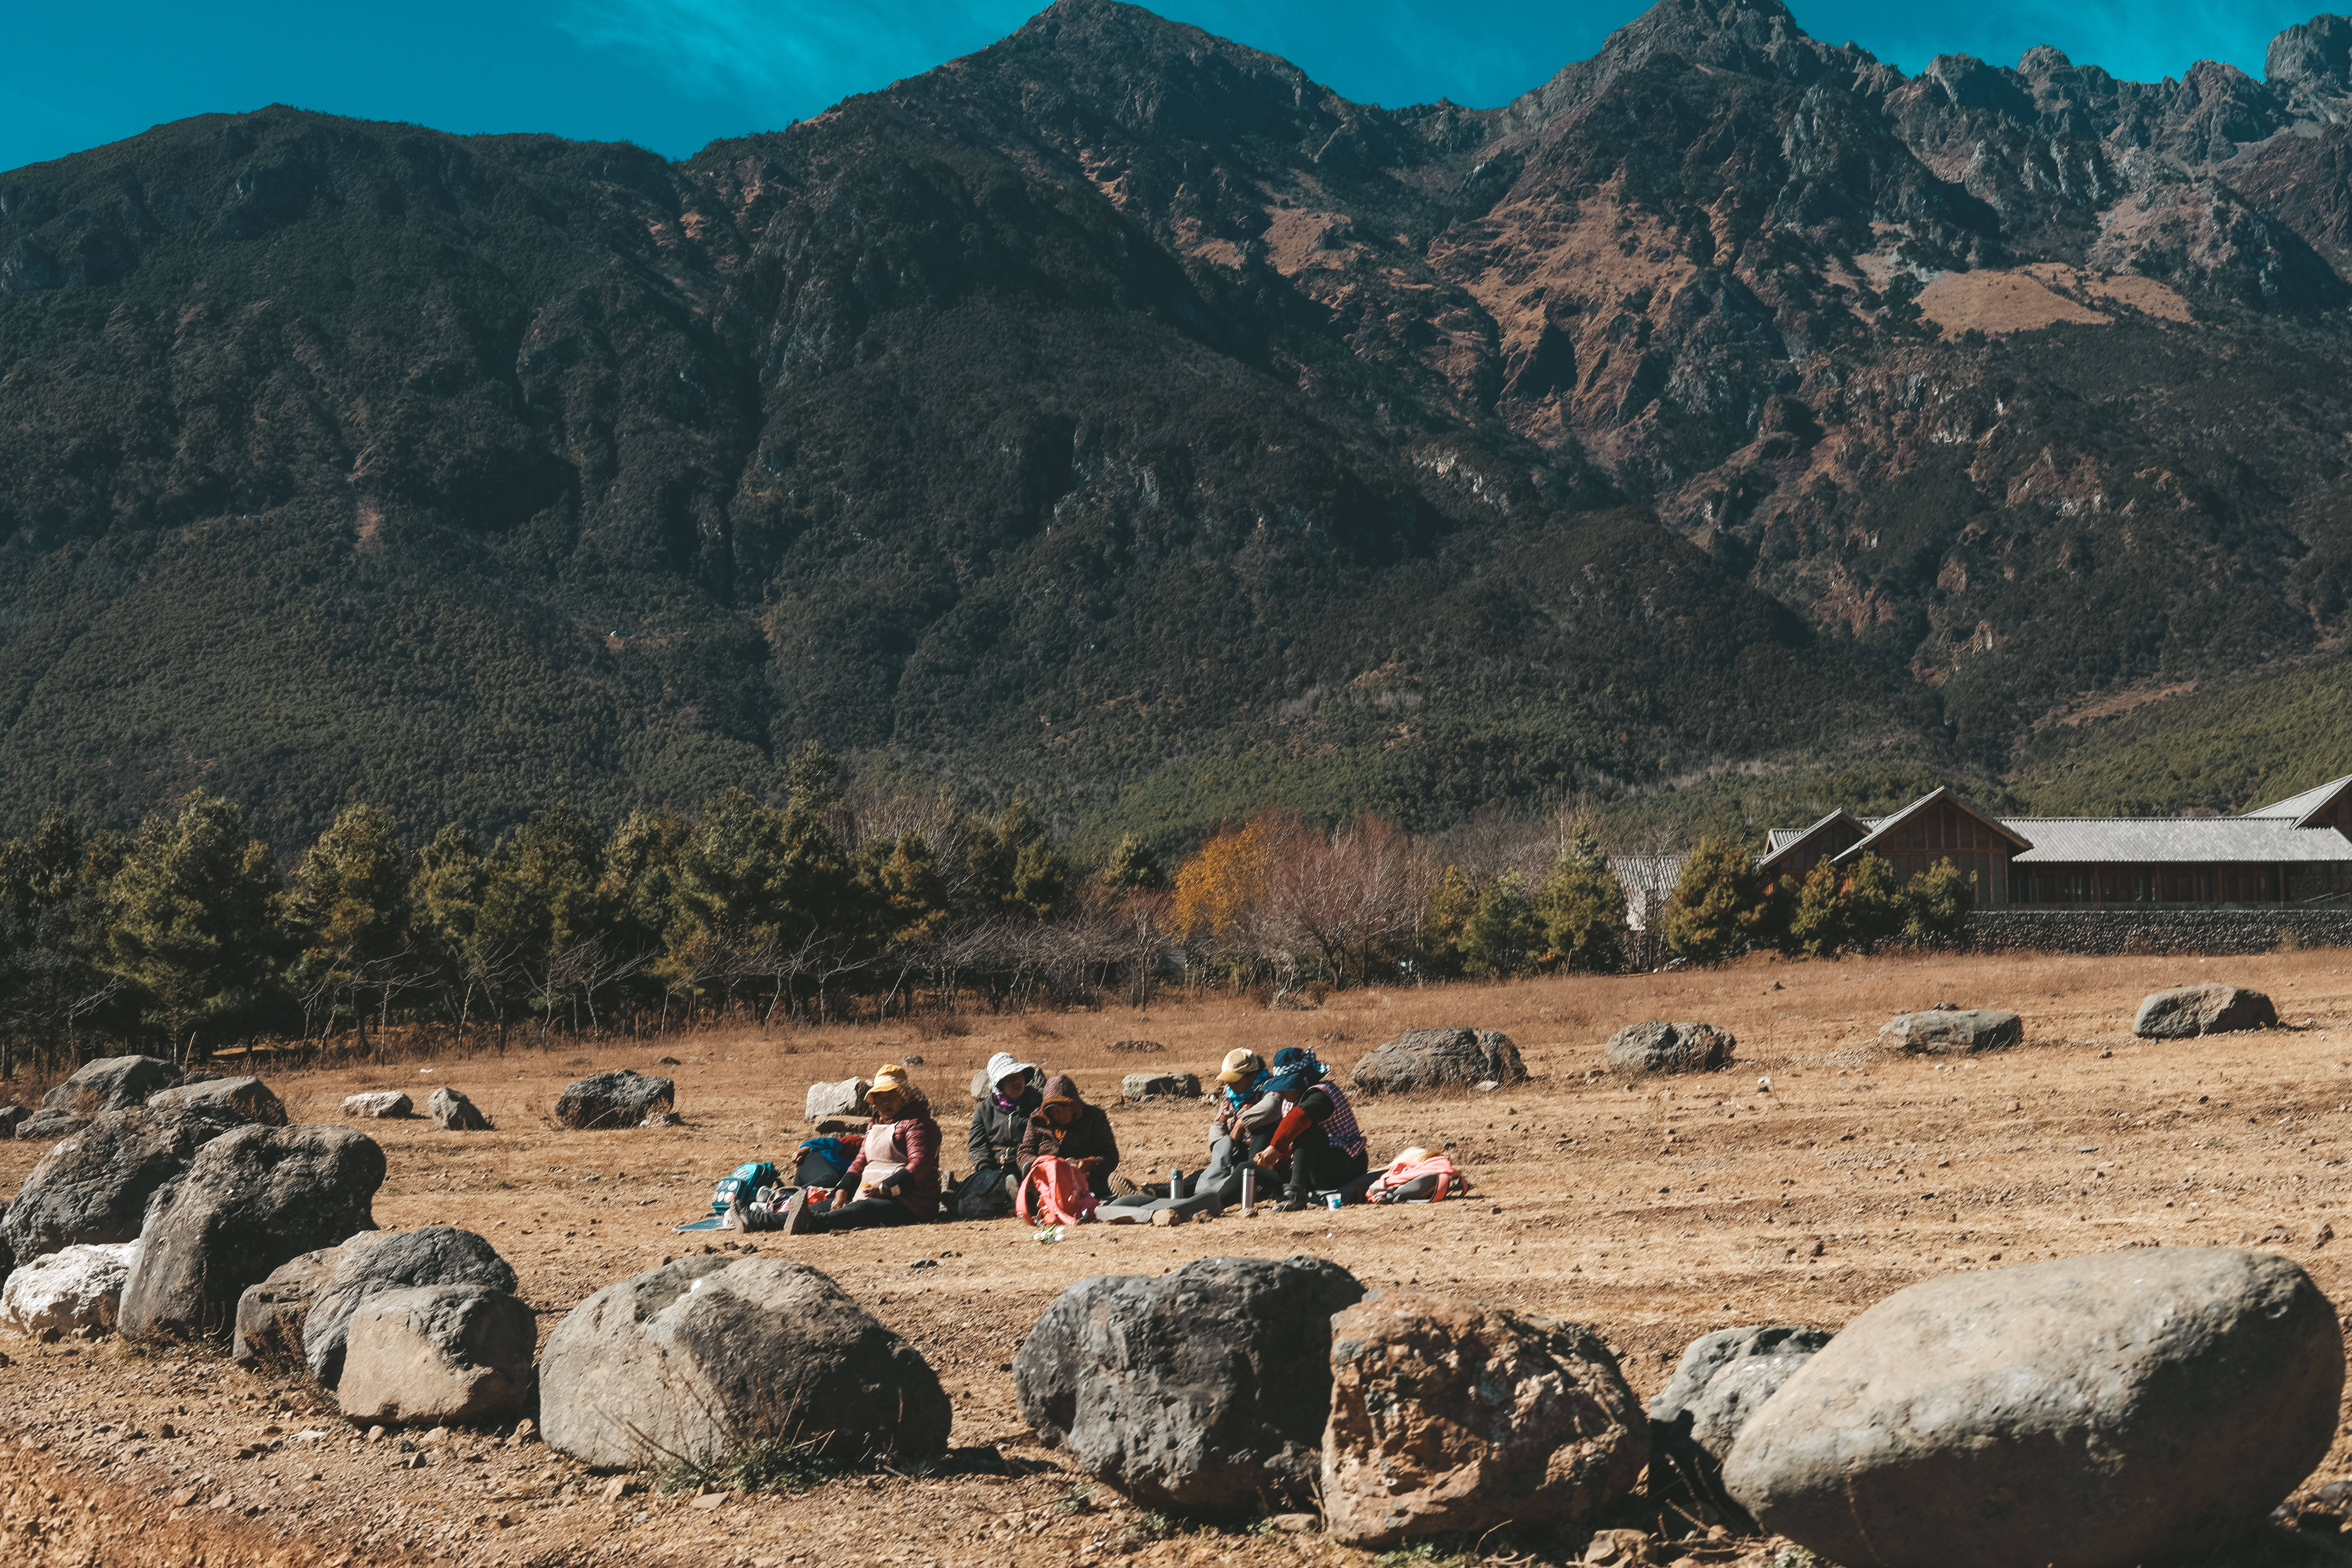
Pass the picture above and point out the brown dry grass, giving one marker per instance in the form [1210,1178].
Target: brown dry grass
[1655,1210]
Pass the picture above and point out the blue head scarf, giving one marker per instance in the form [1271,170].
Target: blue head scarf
[1294,1068]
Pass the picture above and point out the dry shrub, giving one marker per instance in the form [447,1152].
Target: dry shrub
[940,1026]
[1034,1029]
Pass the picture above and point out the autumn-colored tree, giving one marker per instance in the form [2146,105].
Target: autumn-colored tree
[1218,885]
[1875,912]
[1817,923]
[1937,903]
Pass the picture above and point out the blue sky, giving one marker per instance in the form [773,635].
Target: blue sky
[674,74]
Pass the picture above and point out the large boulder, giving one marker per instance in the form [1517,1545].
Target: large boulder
[847,1098]
[1206,1390]
[1438,1059]
[45,1126]
[2098,1411]
[111,1083]
[621,1098]
[435,1354]
[701,1357]
[1723,1379]
[2193,1010]
[246,1098]
[452,1111]
[77,1288]
[1142,1086]
[252,1199]
[1449,1415]
[379,1105]
[1655,1046]
[96,1185]
[270,1315]
[436,1255]
[1954,1032]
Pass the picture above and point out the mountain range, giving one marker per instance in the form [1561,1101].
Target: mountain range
[1117,414]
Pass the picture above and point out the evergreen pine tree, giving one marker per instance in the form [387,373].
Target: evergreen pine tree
[1503,937]
[1582,906]
[193,929]
[1713,914]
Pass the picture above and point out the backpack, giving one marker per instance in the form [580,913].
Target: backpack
[748,1179]
[1055,1191]
[1432,1178]
[981,1194]
[823,1160]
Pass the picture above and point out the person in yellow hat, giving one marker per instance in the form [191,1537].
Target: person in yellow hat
[895,1180]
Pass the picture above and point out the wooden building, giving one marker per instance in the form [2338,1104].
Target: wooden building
[2293,851]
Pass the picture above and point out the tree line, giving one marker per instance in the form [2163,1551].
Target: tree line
[186,936]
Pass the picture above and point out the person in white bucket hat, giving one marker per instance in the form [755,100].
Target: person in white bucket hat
[1000,1119]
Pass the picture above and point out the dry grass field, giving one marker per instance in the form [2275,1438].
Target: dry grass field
[1655,1210]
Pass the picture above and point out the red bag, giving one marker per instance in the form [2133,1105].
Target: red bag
[1451,1183]
[1061,1192]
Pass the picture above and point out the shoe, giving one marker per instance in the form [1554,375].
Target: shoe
[796,1215]
[1290,1205]
[1120,1187]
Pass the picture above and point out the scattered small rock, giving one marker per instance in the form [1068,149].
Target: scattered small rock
[1142,1086]
[846,1097]
[382,1105]
[2193,1010]
[68,1292]
[247,1099]
[453,1111]
[1438,1059]
[1136,1048]
[621,1099]
[1655,1046]
[1948,1031]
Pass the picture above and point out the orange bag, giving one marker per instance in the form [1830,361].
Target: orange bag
[1062,1195]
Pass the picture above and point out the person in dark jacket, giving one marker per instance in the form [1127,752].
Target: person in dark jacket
[1001,1120]
[1066,1125]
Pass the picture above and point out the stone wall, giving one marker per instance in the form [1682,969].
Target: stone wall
[2122,931]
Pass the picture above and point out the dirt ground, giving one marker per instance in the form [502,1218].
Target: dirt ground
[1655,1210]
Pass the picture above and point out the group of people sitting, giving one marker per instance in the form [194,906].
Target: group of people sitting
[1284,1124]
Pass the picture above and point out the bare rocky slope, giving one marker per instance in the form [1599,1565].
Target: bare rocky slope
[1118,412]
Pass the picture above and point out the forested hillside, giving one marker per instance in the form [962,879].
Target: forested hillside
[1119,416]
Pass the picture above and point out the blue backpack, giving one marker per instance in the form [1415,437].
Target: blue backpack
[747,1180]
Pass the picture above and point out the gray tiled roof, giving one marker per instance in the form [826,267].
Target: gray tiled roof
[2129,839]
[2296,807]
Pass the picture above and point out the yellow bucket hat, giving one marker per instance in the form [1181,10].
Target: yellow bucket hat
[1242,1064]
[891,1080]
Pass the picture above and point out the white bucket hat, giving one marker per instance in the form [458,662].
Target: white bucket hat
[1002,1066]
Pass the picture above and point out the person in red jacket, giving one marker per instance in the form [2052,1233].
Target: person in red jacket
[895,1180]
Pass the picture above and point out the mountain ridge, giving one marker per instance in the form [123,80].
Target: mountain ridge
[1116,404]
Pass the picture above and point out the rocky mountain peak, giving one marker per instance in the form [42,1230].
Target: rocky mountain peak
[2313,58]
